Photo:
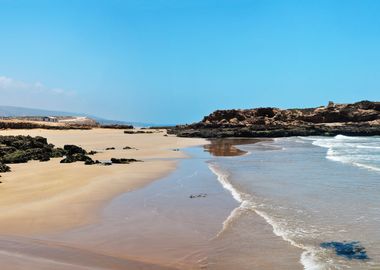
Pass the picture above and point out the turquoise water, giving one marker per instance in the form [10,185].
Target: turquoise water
[312,191]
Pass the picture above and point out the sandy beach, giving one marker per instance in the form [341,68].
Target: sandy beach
[74,216]
[72,194]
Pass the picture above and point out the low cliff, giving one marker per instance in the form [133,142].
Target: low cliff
[357,119]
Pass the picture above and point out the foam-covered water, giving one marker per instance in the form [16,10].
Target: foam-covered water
[311,190]
[359,151]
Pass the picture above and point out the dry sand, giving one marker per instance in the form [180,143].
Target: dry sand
[41,197]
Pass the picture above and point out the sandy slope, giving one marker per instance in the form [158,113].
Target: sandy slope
[40,197]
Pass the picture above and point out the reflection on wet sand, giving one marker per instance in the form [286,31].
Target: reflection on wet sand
[226,146]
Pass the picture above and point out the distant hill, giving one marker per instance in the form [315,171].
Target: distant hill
[12,111]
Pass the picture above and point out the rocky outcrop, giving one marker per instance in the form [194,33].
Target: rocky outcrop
[73,149]
[138,131]
[117,126]
[21,149]
[75,153]
[78,157]
[124,160]
[357,119]
[4,168]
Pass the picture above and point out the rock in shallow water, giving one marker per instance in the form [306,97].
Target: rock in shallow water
[350,250]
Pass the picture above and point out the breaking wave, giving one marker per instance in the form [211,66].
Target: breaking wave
[362,152]
[308,257]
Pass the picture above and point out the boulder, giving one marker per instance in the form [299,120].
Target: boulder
[73,149]
[4,168]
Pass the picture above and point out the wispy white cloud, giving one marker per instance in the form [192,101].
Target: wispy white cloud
[10,84]
[15,92]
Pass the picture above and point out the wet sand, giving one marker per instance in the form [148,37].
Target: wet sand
[160,223]
[28,253]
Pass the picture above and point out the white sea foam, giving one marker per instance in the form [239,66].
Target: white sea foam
[223,179]
[229,220]
[362,152]
[308,257]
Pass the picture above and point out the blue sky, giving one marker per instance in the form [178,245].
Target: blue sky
[174,61]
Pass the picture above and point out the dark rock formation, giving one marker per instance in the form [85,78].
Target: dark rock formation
[117,126]
[20,149]
[106,163]
[138,132]
[57,152]
[4,168]
[73,149]
[124,160]
[357,119]
[75,153]
[110,148]
[90,162]
[78,157]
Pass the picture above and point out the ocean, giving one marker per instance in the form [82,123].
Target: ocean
[319,194]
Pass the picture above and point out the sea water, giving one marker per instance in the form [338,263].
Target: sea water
[319,194]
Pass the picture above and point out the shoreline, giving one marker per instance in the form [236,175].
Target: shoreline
[70,214]
[246,204]
[181,232]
